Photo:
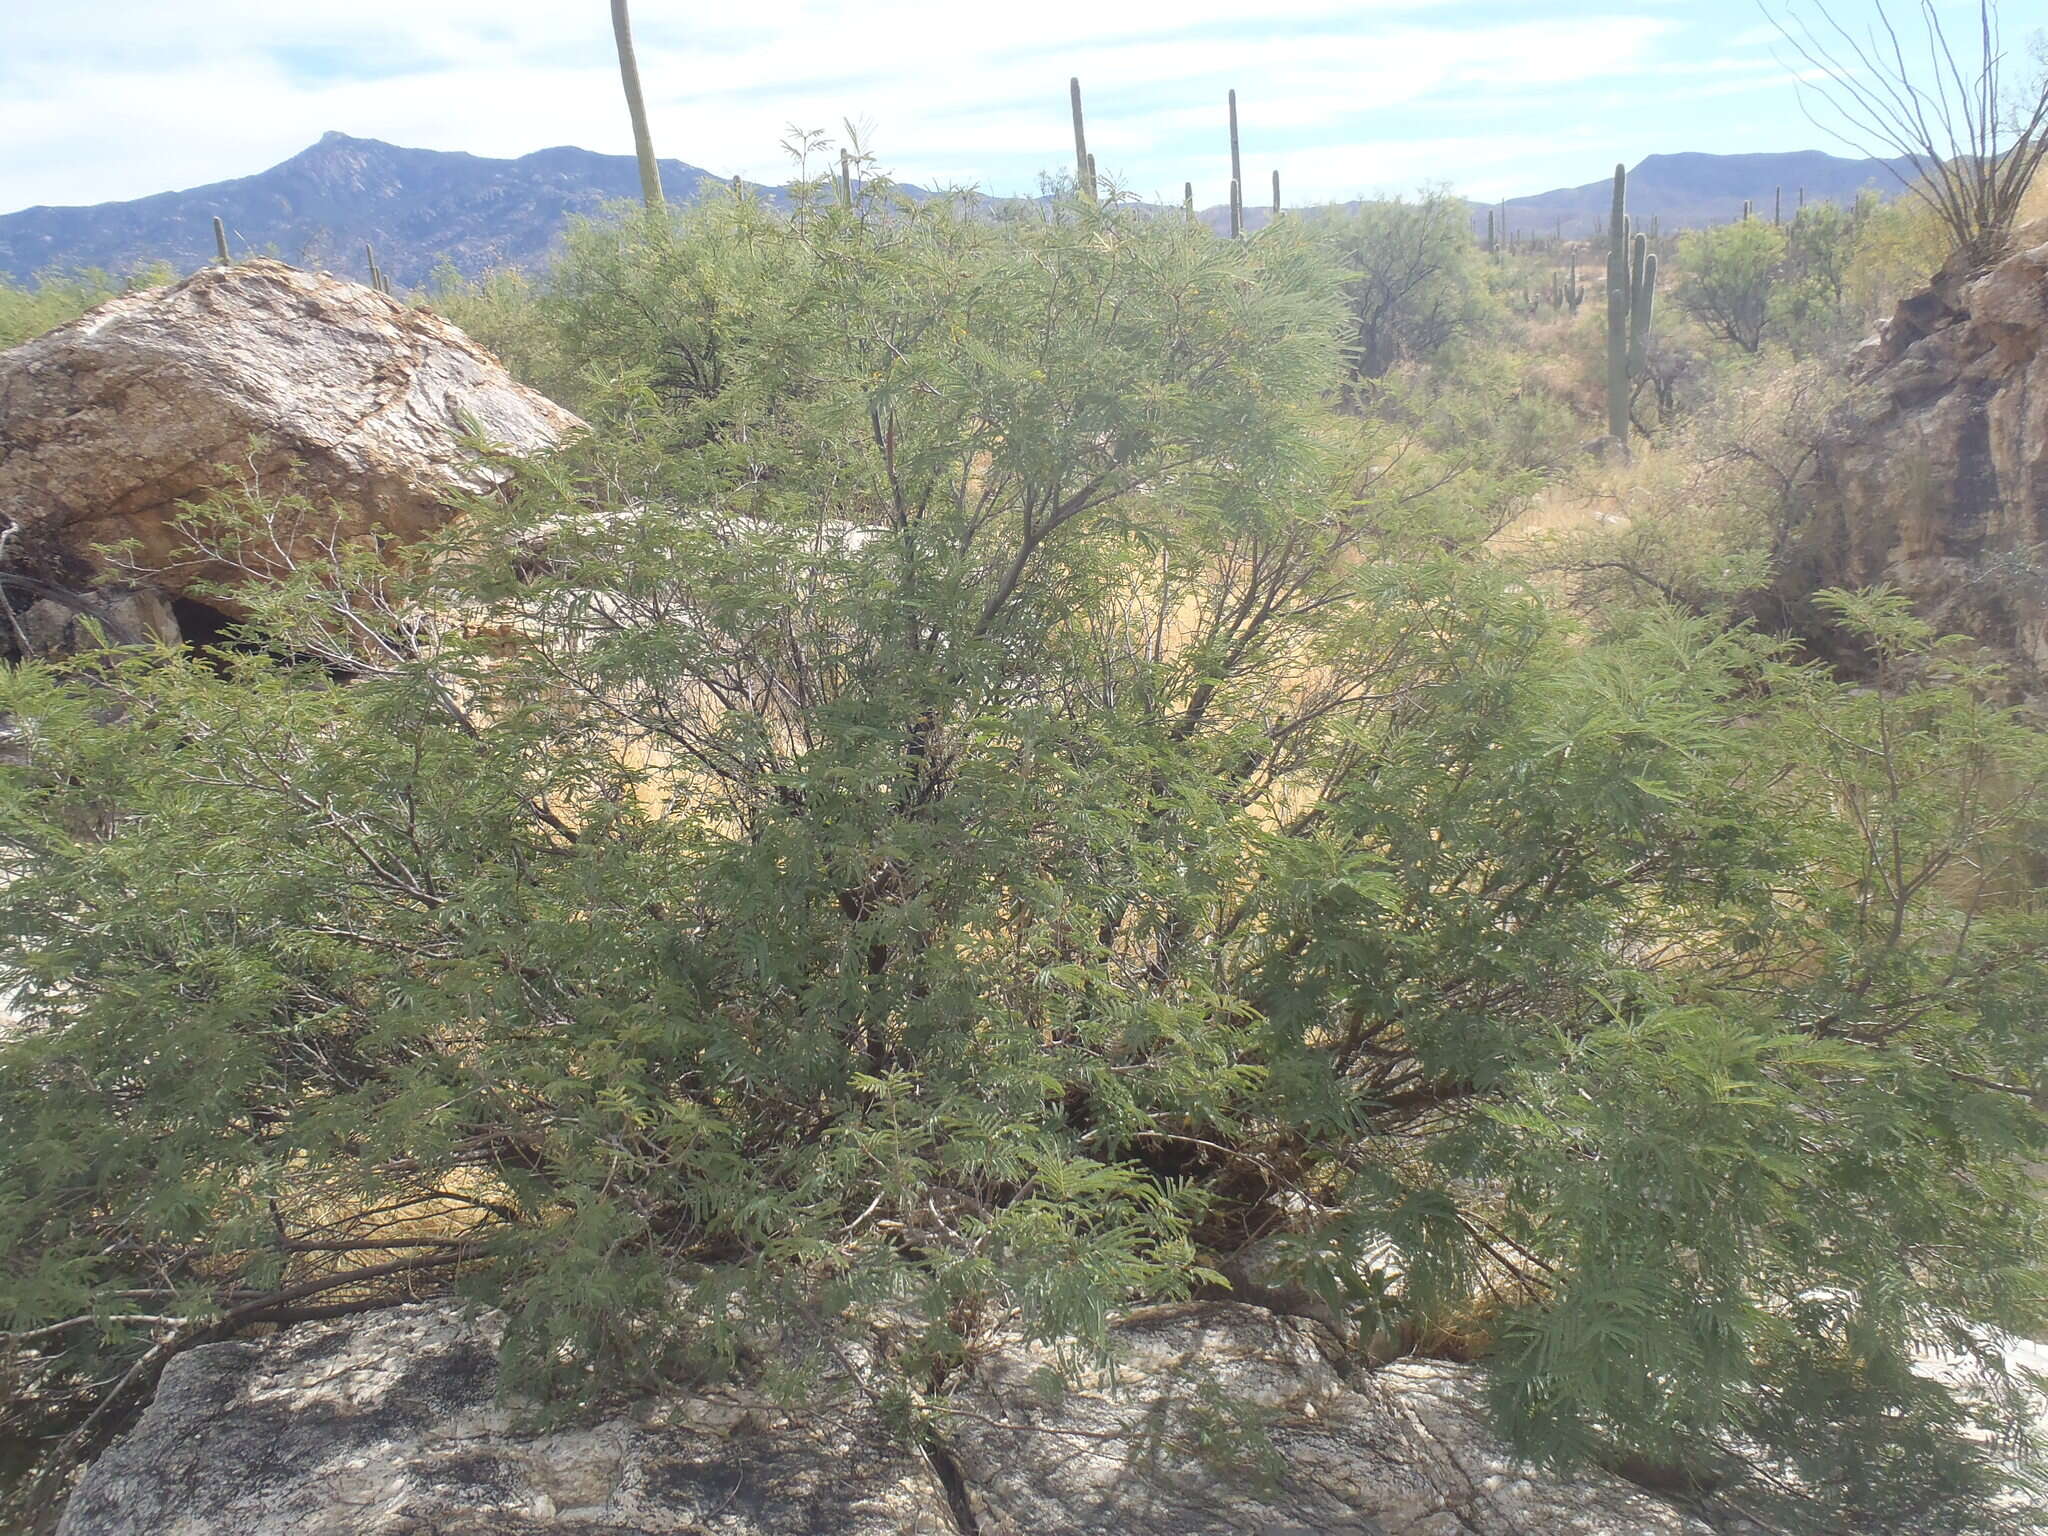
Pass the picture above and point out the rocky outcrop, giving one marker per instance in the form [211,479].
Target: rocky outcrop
[1935,479]
[300,381]
[391,1423]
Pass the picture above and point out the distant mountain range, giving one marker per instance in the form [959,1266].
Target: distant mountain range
[1691,191]
[418,207]
[423,207]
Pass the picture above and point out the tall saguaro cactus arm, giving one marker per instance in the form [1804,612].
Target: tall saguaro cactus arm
[1084,163]
[1642,298]
[1236,175]
[220,240]
[1618,310]
[629,75]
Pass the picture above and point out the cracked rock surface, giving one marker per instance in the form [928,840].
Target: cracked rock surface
[351,399]
[391,1425]
[1935,477]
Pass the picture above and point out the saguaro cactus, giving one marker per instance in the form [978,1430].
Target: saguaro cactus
[1276,194]
[1617,311]
[1574,290]
[636,107]
[846,177]
[1187,200]
[1084,163]
[1642,299]
[1236,176]
[220,240]
[1631,296]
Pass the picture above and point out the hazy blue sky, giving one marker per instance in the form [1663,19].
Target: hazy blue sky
[108,99]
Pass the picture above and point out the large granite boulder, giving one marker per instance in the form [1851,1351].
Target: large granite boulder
[296,381]
[1935,478]
[391,1423]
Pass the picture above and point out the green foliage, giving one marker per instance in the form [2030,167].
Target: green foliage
[503,311]
[969,795]
[1410,278]
[1809,302]
[54,299]
[1731,279]
[1898,247]
[1703,524]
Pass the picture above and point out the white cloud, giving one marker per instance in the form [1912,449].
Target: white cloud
[118,98]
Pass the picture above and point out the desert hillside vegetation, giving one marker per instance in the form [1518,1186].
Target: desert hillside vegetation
[1035,759]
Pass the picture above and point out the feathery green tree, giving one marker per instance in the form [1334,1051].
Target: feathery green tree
[969,799]
[1731,275]
[1409,281]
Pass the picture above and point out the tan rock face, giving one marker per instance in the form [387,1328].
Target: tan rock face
[353,400]
[1937,479]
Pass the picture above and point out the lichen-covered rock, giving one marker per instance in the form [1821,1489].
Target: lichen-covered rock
[1935,479]
[362,405]
[391,1424]
[1225,1420]
[1222,1420]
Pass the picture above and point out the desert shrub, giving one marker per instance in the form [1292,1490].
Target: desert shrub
[1899,246]
[970,800]
[1410,278]
[1704,523]
[502,312]
[1730,279]
[55,298]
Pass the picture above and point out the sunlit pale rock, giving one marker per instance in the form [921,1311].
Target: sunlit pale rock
[300,381]
[391,1423]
